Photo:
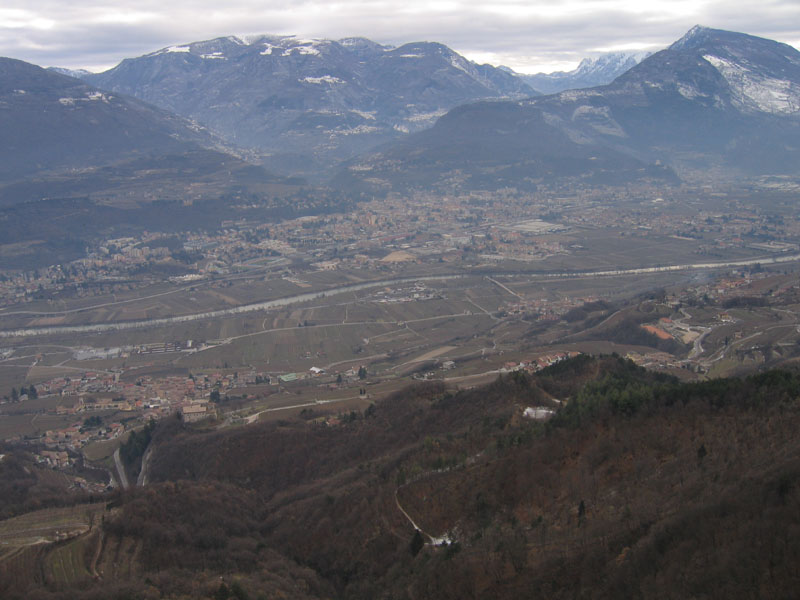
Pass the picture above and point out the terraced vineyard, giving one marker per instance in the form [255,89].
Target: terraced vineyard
[54,546]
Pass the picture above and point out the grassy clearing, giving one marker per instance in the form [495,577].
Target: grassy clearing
[98,451]
[12,376]
[11,425]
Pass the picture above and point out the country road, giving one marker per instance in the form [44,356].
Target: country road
[697,345]
[254,417]
[123,476]
[142,479]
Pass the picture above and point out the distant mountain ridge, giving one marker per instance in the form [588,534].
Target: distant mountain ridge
[51,121]
[309,102]
[591,72]
[713,100]
[77,163]
[76,73]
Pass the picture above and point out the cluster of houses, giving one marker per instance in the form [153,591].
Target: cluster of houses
[75,436]
[57,459]
[197,410]
[654,360]
[545,309]
[540,362]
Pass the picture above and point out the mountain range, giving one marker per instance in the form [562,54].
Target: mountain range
[714,101]
[590,72]
[308,104]
[357,115]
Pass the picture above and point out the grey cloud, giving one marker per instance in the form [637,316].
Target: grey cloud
[76,39]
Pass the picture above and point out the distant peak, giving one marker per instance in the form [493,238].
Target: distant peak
[359,41]
[696,36]
[76,73]
[696,30]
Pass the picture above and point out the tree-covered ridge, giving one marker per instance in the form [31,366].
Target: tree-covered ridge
[630,391]
[639,484]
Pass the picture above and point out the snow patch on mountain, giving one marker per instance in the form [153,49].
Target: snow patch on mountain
[320,80]
[178,49]
[458,64]
[214,55]
[688,91]
[305,49]
[428,116]
[756,91]
[358,130]
[369,116]
[290,45]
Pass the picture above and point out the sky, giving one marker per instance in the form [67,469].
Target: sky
[529,36]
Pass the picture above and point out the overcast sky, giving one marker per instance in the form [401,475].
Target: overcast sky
[527,35]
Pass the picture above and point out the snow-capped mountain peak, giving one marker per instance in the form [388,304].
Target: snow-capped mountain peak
[696,36]
[590,72]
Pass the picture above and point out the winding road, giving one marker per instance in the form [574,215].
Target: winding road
[123,476]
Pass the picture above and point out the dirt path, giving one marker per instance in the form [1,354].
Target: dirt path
[432,541]
[503,287]
[96,557]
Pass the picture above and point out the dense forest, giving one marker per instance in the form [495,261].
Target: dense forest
[638,486]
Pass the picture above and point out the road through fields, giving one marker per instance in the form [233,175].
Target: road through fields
[308,296]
